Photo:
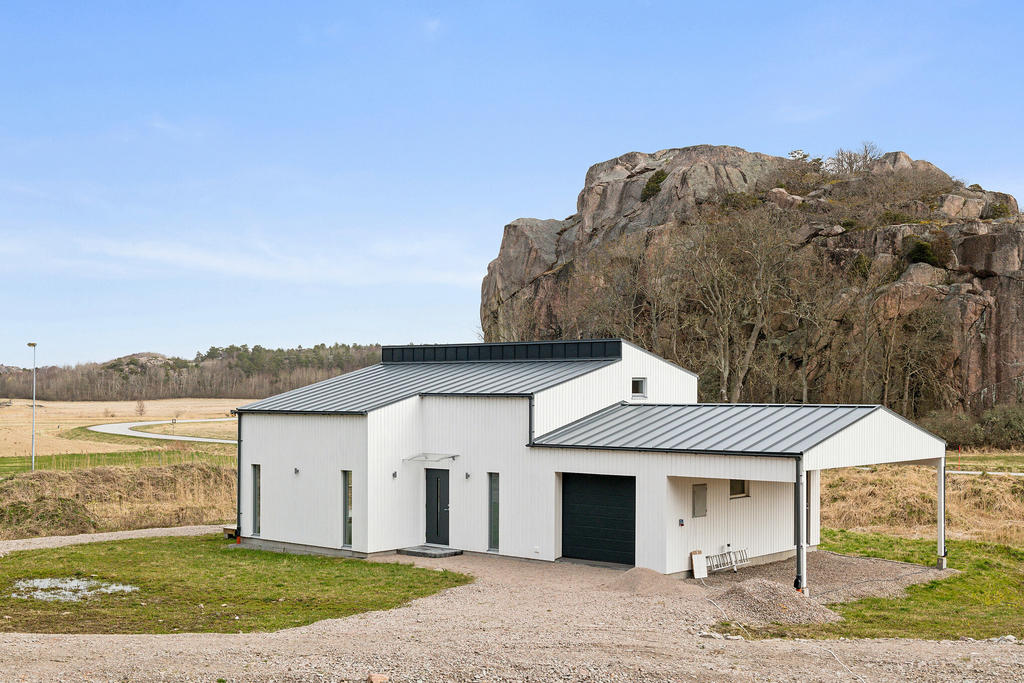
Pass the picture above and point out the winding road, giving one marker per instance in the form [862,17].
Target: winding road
[128,429]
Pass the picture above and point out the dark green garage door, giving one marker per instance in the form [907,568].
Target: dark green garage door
[599,518]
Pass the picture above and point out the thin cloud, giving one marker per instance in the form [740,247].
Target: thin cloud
[382,262]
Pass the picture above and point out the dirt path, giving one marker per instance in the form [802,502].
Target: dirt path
[521,620]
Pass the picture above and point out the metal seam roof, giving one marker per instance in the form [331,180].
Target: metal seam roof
[742,429]
[383,384]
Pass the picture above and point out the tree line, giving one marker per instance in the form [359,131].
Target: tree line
[220,372]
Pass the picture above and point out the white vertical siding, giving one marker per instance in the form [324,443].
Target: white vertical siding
[396,504]
[567,402]
[304,507]
[761,522]
[814,502]
[880,437]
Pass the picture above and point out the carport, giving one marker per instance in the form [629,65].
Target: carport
[739,441]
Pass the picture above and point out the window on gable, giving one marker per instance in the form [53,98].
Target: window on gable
[639,386]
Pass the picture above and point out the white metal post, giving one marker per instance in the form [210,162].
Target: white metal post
[33,345]
[800,523]
[940,472]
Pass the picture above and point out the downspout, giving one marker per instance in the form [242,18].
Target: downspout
[530,442]
[238,484]
[800,525]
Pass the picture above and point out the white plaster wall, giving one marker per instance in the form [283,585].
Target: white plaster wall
[304,507]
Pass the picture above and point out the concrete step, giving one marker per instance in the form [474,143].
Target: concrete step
[430,551]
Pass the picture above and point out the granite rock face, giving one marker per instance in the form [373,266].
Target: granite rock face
[981,287]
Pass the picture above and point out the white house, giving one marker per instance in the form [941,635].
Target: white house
[594,449]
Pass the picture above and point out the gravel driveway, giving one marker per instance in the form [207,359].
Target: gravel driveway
[520,620]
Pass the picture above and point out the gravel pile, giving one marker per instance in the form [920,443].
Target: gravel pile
[760,602]
[839,578]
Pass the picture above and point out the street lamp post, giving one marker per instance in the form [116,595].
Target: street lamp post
[33,345]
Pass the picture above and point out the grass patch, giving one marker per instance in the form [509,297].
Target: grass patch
[200,584]
[985,600]
[148,458]
[987,462]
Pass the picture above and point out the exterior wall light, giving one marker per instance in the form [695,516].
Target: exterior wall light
[296,470]
[394,475]
[467,475]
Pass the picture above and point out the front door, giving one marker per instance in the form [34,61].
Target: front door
[437,507]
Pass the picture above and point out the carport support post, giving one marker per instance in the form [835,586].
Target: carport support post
[800,525]
[940,472]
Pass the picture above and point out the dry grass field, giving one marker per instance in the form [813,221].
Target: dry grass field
[900,501]
[209,430]
[54,417]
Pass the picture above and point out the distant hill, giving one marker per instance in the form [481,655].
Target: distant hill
[228,372]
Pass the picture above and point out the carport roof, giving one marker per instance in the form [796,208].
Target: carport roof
[379,385]
[715,428]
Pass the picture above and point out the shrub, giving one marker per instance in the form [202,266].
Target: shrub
[740,201]
[861,266]
[890,217]
[976,187]
[920,251]
[942,246]
[1000,427]
[999,210]
[850,223]
[653,185]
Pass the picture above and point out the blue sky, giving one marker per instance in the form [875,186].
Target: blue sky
[180,175]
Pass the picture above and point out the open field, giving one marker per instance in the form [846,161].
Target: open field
[901,500]
[54,421]
[193,584]
[991,461]
[209,430]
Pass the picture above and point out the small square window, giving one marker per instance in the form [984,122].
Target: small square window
[639,386]
[738,488]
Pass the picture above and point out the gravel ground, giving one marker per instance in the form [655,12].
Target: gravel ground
[520,621]
[833,577]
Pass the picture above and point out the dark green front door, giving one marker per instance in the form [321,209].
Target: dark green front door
[599,518]
[437,507]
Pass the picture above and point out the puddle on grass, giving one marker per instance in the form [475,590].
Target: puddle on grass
[66,589]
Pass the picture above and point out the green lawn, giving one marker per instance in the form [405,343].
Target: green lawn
[991,462]
[985,600]
[146,458]
[203,584]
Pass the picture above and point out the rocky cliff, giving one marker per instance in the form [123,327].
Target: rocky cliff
[939,243]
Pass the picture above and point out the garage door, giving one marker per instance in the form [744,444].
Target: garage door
[599,518]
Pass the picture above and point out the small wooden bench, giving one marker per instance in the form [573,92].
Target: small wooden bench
[230,531]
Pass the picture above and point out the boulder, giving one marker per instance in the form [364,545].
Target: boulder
[923,274]
[957,207]
[833,230]
[780,197]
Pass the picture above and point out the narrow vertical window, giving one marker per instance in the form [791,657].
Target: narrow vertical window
[255,500]
[700,500]
[492,511]
[346,507]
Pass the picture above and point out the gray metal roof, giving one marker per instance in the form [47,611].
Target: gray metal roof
[379,385]
[742,429]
